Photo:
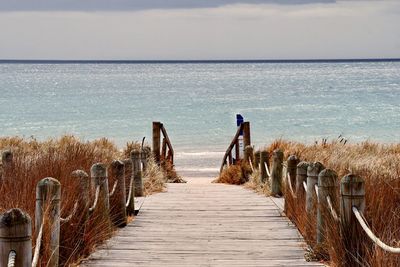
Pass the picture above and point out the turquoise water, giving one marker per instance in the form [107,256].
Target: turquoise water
[197,103]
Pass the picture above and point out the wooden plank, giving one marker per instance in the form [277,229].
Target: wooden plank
[209,224]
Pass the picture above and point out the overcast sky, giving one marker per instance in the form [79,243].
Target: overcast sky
[194,29]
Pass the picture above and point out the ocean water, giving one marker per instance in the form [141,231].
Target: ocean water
[197,103]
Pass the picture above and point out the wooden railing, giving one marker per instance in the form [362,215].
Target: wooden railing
[16,225]
[165,152]
[228,158]
[317,187]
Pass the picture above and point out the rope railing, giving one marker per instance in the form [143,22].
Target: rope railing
[290,185]
[321,199]
[11,258]
[168,142]
[230,147]
[130,192]
[371,235]
[332,210]
[38,245]
[67,219]
[48,198]
[266,168]
[114,188]
[251,165]
[96,199]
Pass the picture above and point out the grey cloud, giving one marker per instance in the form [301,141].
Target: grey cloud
[120,5]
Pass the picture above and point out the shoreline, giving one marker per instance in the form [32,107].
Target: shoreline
[195,61]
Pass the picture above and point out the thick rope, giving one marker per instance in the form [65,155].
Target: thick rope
[266,168]
[333,212]
[114,188]
[38,245]
[371,235]
[251,165]
[96,199]
[290,185]
[11,258]
[71,215]
[130,192]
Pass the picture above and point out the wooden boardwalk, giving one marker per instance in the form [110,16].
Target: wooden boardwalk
[205,224]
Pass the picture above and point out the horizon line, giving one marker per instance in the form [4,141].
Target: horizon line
[191,61]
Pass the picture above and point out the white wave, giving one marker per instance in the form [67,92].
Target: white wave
[202,154]
[188,169]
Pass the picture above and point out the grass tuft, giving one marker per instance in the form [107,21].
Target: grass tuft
[34,160]
[379,165]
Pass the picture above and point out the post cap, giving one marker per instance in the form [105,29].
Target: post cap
[117,167]
[278,154]
[98,170]
[314,169]
[48,187]
[6,155]
[302,167]
[117,164]
[352,185]
[292,161]
[327,178]
[12,218]
[79,174]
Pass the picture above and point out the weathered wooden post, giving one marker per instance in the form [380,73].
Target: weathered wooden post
[327,184]
[156,141]
[313,171]
[164,150]
[263,160]
[98,172]
[84,192]
[170,156]
[130,192]
[352,194]
[246,134]
[137,172]
[276,173]
[48,194]
[237,151]
[301,176]
[291,169]
[6,157]
[16,235]
[248,154]
[119,209]
[6,163]
[257,156]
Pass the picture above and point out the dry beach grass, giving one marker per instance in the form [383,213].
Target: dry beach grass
[34,160]
[379,165]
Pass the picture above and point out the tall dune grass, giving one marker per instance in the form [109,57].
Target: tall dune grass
[34,160]
[378,164]
[235,174]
